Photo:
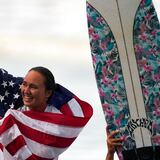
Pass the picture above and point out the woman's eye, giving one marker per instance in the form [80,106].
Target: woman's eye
[24,84]
[33,87]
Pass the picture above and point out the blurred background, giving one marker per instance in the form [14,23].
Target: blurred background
[53,33]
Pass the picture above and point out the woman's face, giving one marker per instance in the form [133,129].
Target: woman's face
[34,92]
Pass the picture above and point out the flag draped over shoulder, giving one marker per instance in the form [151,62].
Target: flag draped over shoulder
[30,135]
[10,96]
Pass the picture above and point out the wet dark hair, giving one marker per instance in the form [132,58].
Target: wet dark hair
[49,78]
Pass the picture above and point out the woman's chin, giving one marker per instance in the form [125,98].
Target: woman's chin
[29,105]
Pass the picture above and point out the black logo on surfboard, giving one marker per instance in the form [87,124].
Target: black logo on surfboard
[139,122]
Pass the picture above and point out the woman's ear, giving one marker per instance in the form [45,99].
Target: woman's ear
[48,94]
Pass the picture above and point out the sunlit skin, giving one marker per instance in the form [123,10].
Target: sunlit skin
[34,92]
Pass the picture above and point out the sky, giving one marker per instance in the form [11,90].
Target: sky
[53,33]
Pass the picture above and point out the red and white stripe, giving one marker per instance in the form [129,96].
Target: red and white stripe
[32,135]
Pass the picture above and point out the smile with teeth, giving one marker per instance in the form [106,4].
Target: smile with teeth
[27,98]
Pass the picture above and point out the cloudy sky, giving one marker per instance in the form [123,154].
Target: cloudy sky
[53,33]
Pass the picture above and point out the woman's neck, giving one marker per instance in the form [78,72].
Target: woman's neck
[37,109]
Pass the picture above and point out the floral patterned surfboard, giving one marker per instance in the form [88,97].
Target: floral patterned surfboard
[125,47]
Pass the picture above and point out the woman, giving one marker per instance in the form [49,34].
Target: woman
[37,87]
[48,122]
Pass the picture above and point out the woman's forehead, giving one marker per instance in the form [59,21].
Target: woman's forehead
[34,77]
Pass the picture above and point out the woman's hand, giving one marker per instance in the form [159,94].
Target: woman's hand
[112,143]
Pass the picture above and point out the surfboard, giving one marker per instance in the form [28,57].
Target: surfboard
[125,48]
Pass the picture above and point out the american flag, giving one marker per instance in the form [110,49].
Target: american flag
[10,96]
[32,135]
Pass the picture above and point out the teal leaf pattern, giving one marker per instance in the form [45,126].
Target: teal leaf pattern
[109,76]
[108,71]
[146,37]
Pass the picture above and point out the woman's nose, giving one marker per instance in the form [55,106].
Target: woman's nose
[26,89]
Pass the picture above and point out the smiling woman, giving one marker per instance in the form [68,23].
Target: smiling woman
[47,33]
[47,123]
[37,87]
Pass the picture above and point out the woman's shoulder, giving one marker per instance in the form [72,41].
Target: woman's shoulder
[52,109]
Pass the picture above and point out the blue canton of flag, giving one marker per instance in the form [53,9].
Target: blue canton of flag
[10,96]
